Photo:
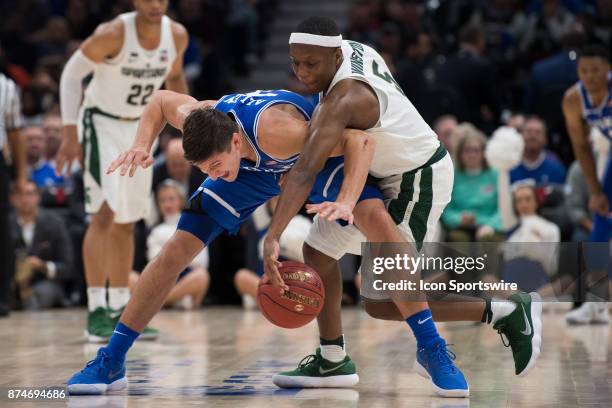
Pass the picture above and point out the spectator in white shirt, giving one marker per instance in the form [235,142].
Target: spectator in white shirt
[193,282]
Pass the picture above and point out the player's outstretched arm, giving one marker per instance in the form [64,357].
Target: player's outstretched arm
[105,42]
[325,131]
[583,151]
[358,148]
[163,107]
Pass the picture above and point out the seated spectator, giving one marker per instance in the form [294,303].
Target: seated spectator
[538,163]
[516,121]
[472,213]
[44,252]
[175,167]
[192,284]
[531,253]
[444,126]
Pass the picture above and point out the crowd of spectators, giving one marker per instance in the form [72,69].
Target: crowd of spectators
[469,66]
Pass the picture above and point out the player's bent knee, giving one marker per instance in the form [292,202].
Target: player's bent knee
[383,311]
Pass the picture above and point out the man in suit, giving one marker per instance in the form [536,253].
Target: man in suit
[44,251]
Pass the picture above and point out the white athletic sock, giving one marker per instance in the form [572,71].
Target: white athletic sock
[96,297]
[501,308]
[118,297]
[333,352]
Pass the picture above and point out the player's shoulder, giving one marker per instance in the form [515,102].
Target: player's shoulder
[179,32]
[112,30]
[350,92]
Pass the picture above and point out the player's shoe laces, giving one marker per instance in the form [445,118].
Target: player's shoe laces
[99,326]
[148,333]
[523,329]
[435,361]
[101,374]
[316,372]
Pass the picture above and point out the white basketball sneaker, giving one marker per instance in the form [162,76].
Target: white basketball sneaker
[581,315]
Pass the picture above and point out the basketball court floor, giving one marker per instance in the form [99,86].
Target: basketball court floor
[225,357]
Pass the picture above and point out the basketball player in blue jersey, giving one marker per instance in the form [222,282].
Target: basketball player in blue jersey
[245,143]
[588,105]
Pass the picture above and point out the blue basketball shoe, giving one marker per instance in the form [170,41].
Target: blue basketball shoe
[435,362]
[101,374]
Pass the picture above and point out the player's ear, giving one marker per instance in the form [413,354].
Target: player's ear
[237,140]
[338,56]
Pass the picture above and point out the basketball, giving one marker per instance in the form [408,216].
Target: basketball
[298,306]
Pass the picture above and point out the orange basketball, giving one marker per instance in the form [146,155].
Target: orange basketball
[300,304]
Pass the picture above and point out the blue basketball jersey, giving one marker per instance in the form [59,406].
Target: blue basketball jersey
[246,110]
[600,116]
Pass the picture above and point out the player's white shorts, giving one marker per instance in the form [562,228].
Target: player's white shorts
[103,138]
[415,200]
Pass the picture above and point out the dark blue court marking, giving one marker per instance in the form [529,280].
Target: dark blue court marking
[255,379]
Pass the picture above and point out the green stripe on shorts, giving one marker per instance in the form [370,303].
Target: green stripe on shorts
[397,206]
[90,139]
[420,212]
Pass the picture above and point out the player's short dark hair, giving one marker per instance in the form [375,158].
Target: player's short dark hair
[318,25]
[595,50]
[207,132]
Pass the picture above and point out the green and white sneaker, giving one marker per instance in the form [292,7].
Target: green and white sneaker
[99,326]
[523,329]
[148,333]
[316,372]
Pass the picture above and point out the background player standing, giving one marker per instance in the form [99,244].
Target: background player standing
[130,57]
[588,105]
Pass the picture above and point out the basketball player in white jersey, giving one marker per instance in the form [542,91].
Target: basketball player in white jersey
[130,57]
[356,90]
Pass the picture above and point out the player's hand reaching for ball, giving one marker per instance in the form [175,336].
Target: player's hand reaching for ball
[131,160]
[332,211]
[271,251]
[69,151]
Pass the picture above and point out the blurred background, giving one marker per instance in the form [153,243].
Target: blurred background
[469,66]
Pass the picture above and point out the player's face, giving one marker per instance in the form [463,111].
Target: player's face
[151,10]
[525,201]
[314,66]
[224,165]
[593,72]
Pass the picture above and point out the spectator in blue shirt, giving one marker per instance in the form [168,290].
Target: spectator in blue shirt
[538,163]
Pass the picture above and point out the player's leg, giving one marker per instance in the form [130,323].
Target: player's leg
[95,260]
[129,197]
[107,371]
[433,359]
[506,315]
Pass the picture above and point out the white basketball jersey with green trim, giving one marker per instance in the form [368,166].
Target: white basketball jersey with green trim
[404,141]
[123,85]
